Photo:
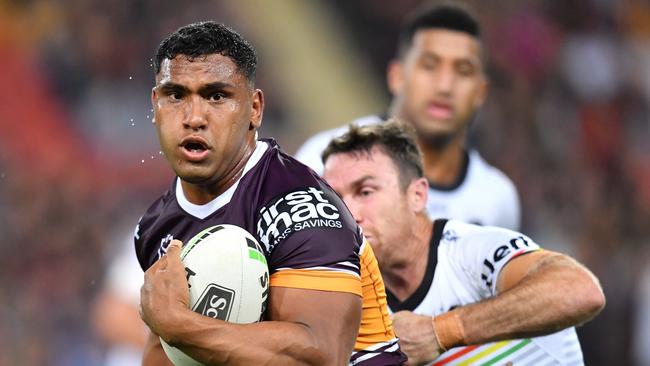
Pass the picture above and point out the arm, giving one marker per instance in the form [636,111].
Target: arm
[538,293]
[116,321]
[299,331]
[153,354]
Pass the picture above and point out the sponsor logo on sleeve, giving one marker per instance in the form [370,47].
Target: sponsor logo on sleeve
[295,211]
[516,245]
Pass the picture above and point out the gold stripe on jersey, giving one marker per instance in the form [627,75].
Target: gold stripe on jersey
[313,279]
[376,324]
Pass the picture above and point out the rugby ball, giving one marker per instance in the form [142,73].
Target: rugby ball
[228,279]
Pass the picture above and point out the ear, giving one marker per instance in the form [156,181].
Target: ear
[418,193]
[482,92]
[154,101]
[395,77]
[257,109]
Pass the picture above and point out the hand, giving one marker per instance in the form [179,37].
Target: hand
[165,290]
[417,337]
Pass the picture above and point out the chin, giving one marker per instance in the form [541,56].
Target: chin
[437,139]
[194,175]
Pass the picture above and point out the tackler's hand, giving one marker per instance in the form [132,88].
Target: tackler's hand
[417,337]
[165,291]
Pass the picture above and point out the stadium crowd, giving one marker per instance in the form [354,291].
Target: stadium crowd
[567,119]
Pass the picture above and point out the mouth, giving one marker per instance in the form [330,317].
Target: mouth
[195,148]
[439,110]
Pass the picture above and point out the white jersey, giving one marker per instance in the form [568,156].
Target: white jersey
[482,195]
[464,262]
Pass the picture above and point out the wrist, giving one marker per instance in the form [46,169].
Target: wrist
[170,323]
[449,330]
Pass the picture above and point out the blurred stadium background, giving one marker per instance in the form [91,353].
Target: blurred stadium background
[567,119]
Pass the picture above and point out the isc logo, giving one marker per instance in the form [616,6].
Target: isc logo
[215,302]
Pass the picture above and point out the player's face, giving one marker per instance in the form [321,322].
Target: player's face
[369,186]
[206,115]
[439,83]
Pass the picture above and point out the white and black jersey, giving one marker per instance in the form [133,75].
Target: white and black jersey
[482,194]
[464,263]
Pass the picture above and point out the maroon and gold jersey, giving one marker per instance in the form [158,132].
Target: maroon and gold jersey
[309,237]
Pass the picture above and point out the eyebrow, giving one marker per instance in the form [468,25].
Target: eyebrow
[168,87]
[359,182]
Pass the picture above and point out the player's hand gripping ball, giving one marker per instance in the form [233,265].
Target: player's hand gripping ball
[228,278]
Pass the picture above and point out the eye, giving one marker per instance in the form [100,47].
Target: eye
[428,64]
[366,192]
[175,95]
[216,97]
[465,69]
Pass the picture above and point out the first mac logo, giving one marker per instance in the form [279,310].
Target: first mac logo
[215,302]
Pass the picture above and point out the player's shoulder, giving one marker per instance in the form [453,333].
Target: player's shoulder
[480,171]
[284,171]
[291,198]
[480,166]
[311,149]
[150,223]
[324,137]
[157,208]
[467,234]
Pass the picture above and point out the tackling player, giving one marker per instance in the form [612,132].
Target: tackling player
[454,284]
[438,83]
[324,279]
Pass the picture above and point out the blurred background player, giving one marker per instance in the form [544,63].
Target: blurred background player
[450,283]
[115,312]
[438,83]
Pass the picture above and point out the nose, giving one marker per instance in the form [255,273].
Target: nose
[444,80]
[195,115]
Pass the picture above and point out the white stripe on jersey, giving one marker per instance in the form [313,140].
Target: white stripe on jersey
[348,264]
[394,346]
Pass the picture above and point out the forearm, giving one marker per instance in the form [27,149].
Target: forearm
[215,342]
[153,354]
[556,294]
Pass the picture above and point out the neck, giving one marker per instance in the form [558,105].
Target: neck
[200,194]
[403,278]
[443,164]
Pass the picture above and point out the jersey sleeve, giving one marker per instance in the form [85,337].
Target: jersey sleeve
[483,251]
[312,240]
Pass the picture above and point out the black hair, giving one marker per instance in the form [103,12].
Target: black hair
[206,38]
[393,137]
[442,15]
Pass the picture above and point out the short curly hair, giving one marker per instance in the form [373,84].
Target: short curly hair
[439,14]
[393,137]
[206,38]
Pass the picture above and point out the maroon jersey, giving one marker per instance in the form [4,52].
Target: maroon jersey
[309,238]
